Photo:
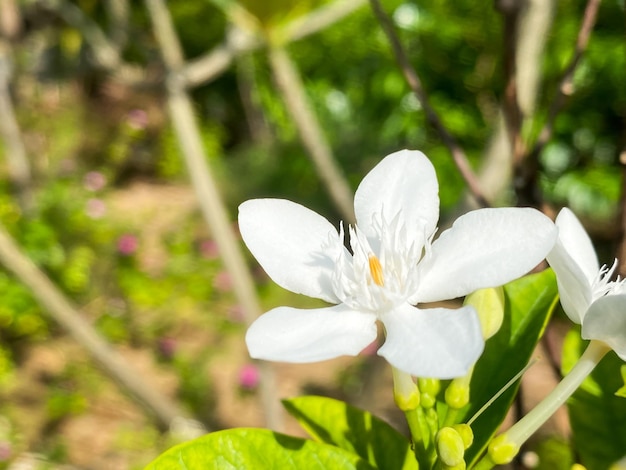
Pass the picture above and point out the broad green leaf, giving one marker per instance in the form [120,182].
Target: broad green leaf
[597,415]
[337,423]
[622,390]
[529,301]
[246,448]
[554,454]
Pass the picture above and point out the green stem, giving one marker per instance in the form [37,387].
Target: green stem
[504,447]
[528,425]
[416,435]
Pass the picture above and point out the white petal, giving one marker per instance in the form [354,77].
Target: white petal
[606,321]
[484,248]
[403,182]
[574,286]
[293,335]
[293,244]
[577,243]
[436,342]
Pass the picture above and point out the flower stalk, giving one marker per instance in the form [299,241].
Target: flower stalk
[506,446]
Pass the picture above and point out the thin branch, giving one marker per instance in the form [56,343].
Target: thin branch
[105,55]
[210,66]
[66,315]
[458,155]
[291,88]
[118,12]
[621,248]
[17,158]
[190,141]
[510,11]
[320,19]
[621,251]
[566,85]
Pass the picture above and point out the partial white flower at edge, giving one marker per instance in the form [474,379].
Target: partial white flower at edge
[588,295]
[392,266]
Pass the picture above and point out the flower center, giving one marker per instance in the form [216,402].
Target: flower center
[602,284]
[381,269]
[376,270]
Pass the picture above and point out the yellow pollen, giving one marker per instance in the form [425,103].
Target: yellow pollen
[376,270]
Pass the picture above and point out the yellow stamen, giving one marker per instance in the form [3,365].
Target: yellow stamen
[376,270]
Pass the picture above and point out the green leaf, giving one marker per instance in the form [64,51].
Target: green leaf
[337,423]
[622,390]
[554,454]
[529,302]
[246,448]
[597,415]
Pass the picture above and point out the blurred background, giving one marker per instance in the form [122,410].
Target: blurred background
[128,145]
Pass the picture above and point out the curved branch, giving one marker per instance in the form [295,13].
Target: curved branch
[105,55]
[210,66]
[566,86]
[410,75]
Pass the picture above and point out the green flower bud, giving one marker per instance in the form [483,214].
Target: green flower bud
[429,388]
[489,304]
[466,434]
[460,466]
[405,392]
[432,419]
[502,450]
[450,447]
[457,394]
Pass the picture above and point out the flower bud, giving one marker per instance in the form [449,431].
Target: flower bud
[405,392]
[502,450]
[429,388]
[489,304]
[450,447]
[457,393]
[466,434]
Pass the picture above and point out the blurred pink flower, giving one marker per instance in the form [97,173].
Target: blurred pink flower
[235,314]
[95,208]
[371,349]
[167,347]
[94,181]
[209,249]
[223,282]
[249,377]
[127,244]
[137,119]
[5,451]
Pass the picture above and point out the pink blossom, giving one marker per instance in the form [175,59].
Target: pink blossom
[370,349]
[5,451]
[167,347]
[223,282]
[235,314]
[95,208]
[127,244]
[249,377]
[94,181]
[137,119]
[209,249]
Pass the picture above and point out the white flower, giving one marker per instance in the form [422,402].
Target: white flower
[588,295]
[392,265]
